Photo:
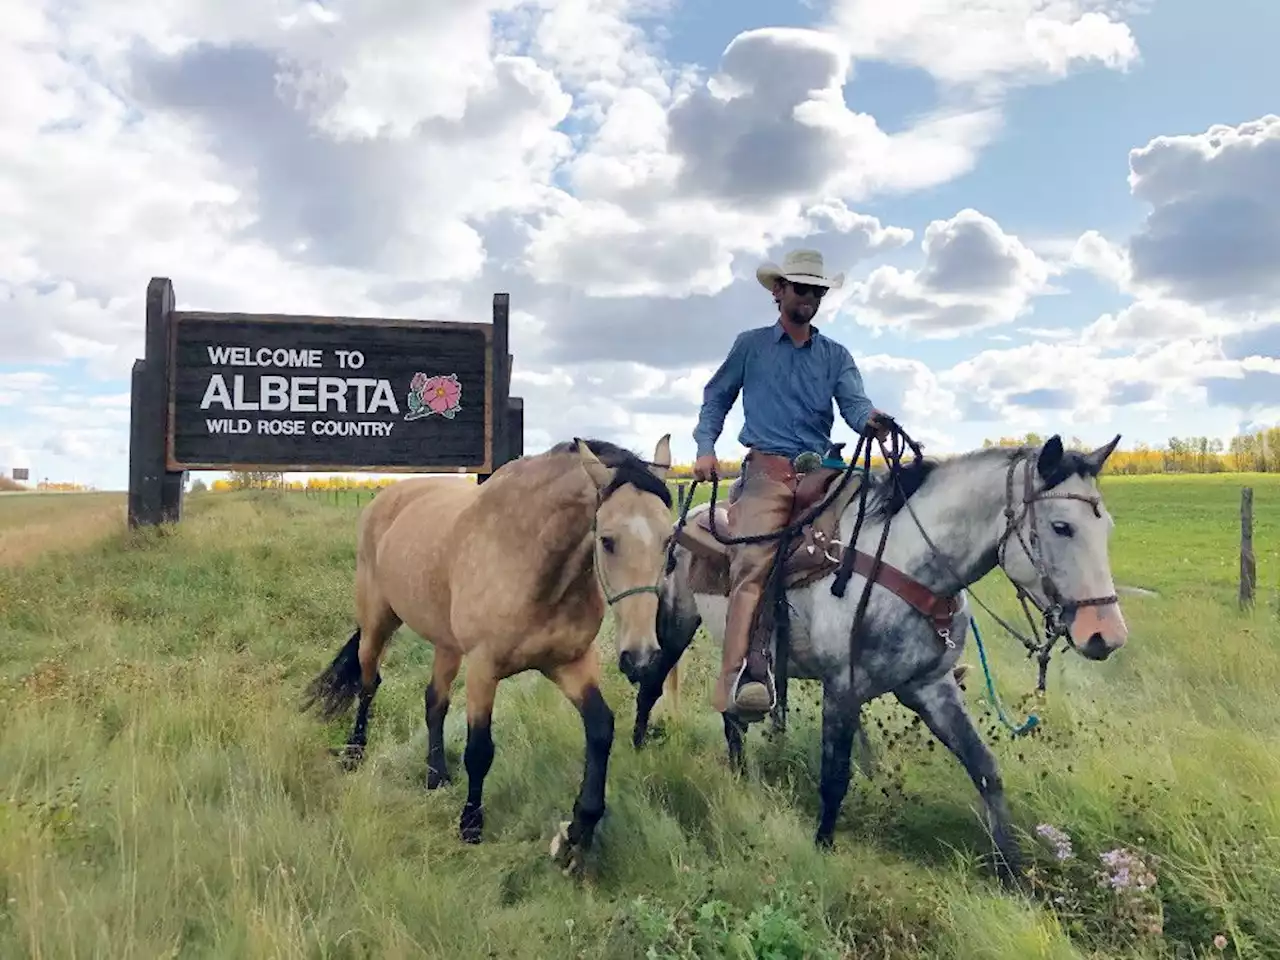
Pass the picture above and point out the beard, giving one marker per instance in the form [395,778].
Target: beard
[802,313]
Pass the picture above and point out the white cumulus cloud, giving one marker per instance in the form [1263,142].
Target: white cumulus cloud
[988,43]
[974,276]
[1213,233]
[670,189]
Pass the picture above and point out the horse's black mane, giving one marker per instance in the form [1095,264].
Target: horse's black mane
[631,468]
[885,499]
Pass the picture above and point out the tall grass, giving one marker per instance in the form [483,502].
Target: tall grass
[161,796]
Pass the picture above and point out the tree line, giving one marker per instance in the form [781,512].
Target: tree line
[8,484]
[1257,452]
[266,480]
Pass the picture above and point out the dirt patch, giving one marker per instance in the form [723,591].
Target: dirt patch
[35,524]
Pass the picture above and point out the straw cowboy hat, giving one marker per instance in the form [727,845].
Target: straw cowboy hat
[799,266]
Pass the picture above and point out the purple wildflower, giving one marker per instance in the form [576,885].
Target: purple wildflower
[1128,871]
[1060,840]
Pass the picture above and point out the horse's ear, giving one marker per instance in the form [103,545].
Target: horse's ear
[1050,457]
[600,474]
[662,457]
[1098,457]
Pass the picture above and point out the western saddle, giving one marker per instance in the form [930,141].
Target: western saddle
[814,552]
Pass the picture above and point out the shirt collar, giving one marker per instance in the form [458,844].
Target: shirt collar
[780,333]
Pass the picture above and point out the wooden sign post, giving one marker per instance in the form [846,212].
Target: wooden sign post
[274,392]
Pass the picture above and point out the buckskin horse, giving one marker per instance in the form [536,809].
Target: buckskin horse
[1036,513]
[511,575]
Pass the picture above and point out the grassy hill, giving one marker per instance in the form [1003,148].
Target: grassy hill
[161,796]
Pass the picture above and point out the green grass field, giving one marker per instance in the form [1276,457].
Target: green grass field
[161,796]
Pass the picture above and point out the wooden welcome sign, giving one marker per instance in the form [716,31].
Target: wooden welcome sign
[279,392]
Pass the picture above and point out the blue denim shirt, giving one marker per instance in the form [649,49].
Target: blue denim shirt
[787,392]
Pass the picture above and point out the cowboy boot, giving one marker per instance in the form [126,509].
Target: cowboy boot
[746,674]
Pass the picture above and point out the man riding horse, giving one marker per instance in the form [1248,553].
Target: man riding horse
[788,374]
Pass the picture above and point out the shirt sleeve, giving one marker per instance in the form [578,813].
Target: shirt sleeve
[718,397]
[851,395]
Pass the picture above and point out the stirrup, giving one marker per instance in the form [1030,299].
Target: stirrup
[769,684]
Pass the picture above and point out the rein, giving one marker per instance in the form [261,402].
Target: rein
[849,556]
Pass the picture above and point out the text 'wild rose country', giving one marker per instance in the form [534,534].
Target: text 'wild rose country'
[316,393]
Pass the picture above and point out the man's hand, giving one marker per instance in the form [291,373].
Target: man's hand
[878,424]
[704,467]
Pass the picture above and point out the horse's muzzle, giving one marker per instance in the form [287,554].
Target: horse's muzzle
[636,666]
[1095,648]
[1097,632]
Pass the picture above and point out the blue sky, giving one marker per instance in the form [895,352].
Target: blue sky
[1075,302]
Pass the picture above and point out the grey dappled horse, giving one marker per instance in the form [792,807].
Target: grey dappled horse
[1036,513]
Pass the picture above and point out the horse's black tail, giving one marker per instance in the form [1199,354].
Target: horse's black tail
[339,683]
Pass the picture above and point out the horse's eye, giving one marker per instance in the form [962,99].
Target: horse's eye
[608,544]
[1063,529]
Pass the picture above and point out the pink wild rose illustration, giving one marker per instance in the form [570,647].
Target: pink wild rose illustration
[432,395]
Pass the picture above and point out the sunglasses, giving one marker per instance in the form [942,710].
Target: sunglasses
[802,289]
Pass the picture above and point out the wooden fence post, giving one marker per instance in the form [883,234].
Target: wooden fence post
[1248,565]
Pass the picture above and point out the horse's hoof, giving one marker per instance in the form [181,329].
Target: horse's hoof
[649,733]
[560,841]
[471,825]
[350,756]
[567,854]
[437,780]
[824,841]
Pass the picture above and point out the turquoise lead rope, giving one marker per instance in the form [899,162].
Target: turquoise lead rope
[1032,721]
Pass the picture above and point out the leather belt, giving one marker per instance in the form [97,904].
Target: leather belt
[775,466]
